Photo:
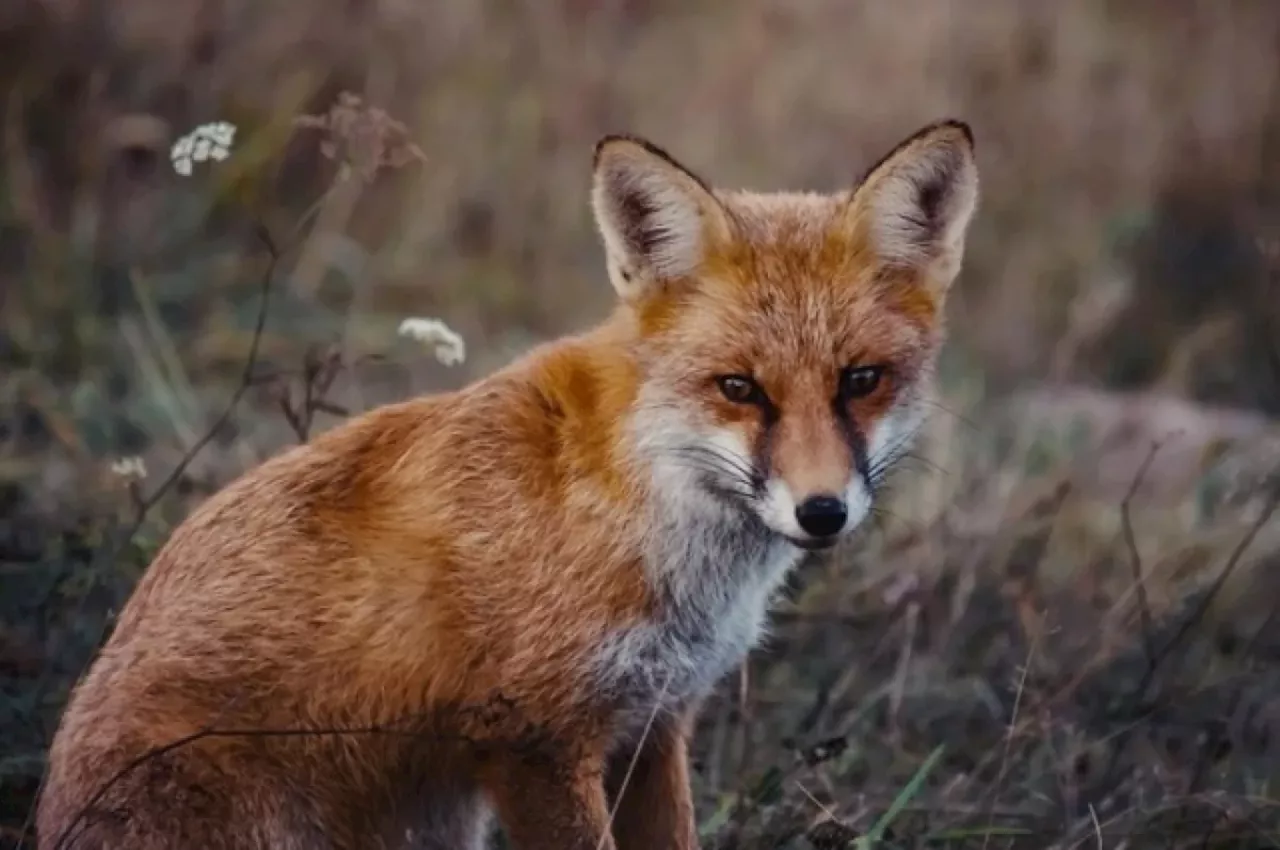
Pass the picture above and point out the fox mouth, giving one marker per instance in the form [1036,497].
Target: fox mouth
[814,544]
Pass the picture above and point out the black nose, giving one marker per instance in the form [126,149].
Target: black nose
[821,516]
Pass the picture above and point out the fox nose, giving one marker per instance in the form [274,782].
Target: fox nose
[822,516]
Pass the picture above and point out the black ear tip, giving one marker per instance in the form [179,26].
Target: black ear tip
[644,144]
[629,139]
[961,126]
[608,140]
[944,127]
[924,135]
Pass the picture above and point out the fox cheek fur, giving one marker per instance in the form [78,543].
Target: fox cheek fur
[579,544]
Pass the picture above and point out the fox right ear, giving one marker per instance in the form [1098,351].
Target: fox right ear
[657,219]
[916,204]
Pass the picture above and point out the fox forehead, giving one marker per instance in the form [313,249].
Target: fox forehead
[792,292]
[801,220]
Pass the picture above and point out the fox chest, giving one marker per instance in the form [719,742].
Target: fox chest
[710,616]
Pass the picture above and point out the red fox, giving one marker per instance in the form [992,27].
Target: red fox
[505,604]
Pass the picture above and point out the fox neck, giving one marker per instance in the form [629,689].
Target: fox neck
[711,569]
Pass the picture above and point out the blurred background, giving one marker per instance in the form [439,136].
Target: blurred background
[1062,626]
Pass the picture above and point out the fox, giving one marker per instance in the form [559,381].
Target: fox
[501,607]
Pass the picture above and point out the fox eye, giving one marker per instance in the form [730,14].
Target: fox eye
[740,389]
[860,381]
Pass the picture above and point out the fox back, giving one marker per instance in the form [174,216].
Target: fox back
[506,603]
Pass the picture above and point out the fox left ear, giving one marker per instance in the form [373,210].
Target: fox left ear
[914,206]
[657,220]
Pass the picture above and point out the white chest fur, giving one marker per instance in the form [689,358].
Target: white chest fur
[714,583]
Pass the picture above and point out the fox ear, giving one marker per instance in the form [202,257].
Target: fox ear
[914,206]
[657,219]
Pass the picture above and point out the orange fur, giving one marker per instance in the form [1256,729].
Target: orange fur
[475,602]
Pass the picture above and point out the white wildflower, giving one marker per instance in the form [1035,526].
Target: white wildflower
[129,468]
[204,143]
[447,345]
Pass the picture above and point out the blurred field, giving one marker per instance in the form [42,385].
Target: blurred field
[1041,599]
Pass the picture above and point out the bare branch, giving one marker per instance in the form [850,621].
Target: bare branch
[1135,559]
[1272,503]
[246,381]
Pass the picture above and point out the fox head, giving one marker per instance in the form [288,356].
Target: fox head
[785,342]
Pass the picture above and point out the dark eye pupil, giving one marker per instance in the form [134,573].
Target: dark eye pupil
[737,389]
[860,382]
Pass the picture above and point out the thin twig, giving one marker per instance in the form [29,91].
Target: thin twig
[746,716]
[1008,740]
[1135,560]
[635,759]
[1273,502]
[899,686]
[246,381]
[1097,827]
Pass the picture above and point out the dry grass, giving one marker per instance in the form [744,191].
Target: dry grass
[1017,592]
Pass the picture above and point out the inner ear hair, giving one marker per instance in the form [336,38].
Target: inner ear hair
[917,201]
[656,218]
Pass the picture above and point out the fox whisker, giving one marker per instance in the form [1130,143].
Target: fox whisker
[723,466]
